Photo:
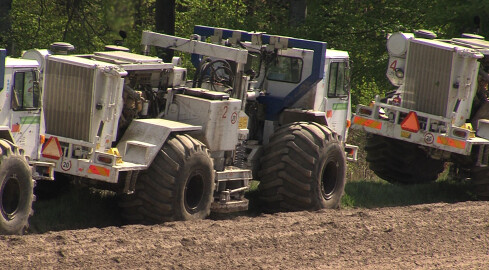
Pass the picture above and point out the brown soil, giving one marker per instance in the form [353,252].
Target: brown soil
[442,236]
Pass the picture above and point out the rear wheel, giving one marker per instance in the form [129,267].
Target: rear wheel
[400,162]
[16,190]
[303,169]
[178,185]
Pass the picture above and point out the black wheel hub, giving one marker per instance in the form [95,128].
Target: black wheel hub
[10,197]
[194,193]
[329,179]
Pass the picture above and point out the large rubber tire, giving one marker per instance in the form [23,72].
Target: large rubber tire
[178,185]
[400,162]
[303,168]
[16,190]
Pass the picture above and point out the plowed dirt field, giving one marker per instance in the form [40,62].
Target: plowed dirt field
[439,236]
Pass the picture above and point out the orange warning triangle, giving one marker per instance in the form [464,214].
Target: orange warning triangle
[51,149]
[411,123]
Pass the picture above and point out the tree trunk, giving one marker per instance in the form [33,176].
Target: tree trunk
[165,23]
[6,25]
[297,12]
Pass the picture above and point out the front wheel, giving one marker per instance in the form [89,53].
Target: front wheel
[303,169]
[16,190]
[178,185]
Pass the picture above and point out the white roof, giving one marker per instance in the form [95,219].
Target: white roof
[87,63]
[127,57]
[84,62]
[336,54]
[449,47]
[19,62]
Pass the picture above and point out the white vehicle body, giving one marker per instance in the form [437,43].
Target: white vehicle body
[108,115]
[21,110]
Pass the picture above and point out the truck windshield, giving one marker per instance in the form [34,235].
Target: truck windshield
[285,69]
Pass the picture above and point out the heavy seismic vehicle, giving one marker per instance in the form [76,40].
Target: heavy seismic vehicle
[263,107]
[20,139]
[439,112]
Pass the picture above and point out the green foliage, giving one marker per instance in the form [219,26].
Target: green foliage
[450,18]
[359,27]
[379,193]
[226,14]
[89,25]
[359,169]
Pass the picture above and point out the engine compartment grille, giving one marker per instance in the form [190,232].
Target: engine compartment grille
[68,100]
[427,81]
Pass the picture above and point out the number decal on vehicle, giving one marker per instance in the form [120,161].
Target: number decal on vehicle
[234,118]
[66,165]
[225,112]
[393,65]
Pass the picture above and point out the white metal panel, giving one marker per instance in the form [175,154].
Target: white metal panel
[20,63]
[337,109]
[218,118]
[82,98]
[427,82]
[438,77]
[25,125]
[193,46]
[145,137]
[68,99]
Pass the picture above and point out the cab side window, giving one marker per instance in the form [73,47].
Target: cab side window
[338,76]
[285,69]
[25,94]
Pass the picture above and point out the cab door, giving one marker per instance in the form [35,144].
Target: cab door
[25,121]
[337,105]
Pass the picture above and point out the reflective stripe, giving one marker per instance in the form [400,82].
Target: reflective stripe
[367,122]
[98,170]
[450,142]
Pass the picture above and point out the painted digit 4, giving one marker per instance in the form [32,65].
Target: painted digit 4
[393,65]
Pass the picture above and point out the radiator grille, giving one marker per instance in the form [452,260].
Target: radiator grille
[427,81]
[68,100]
